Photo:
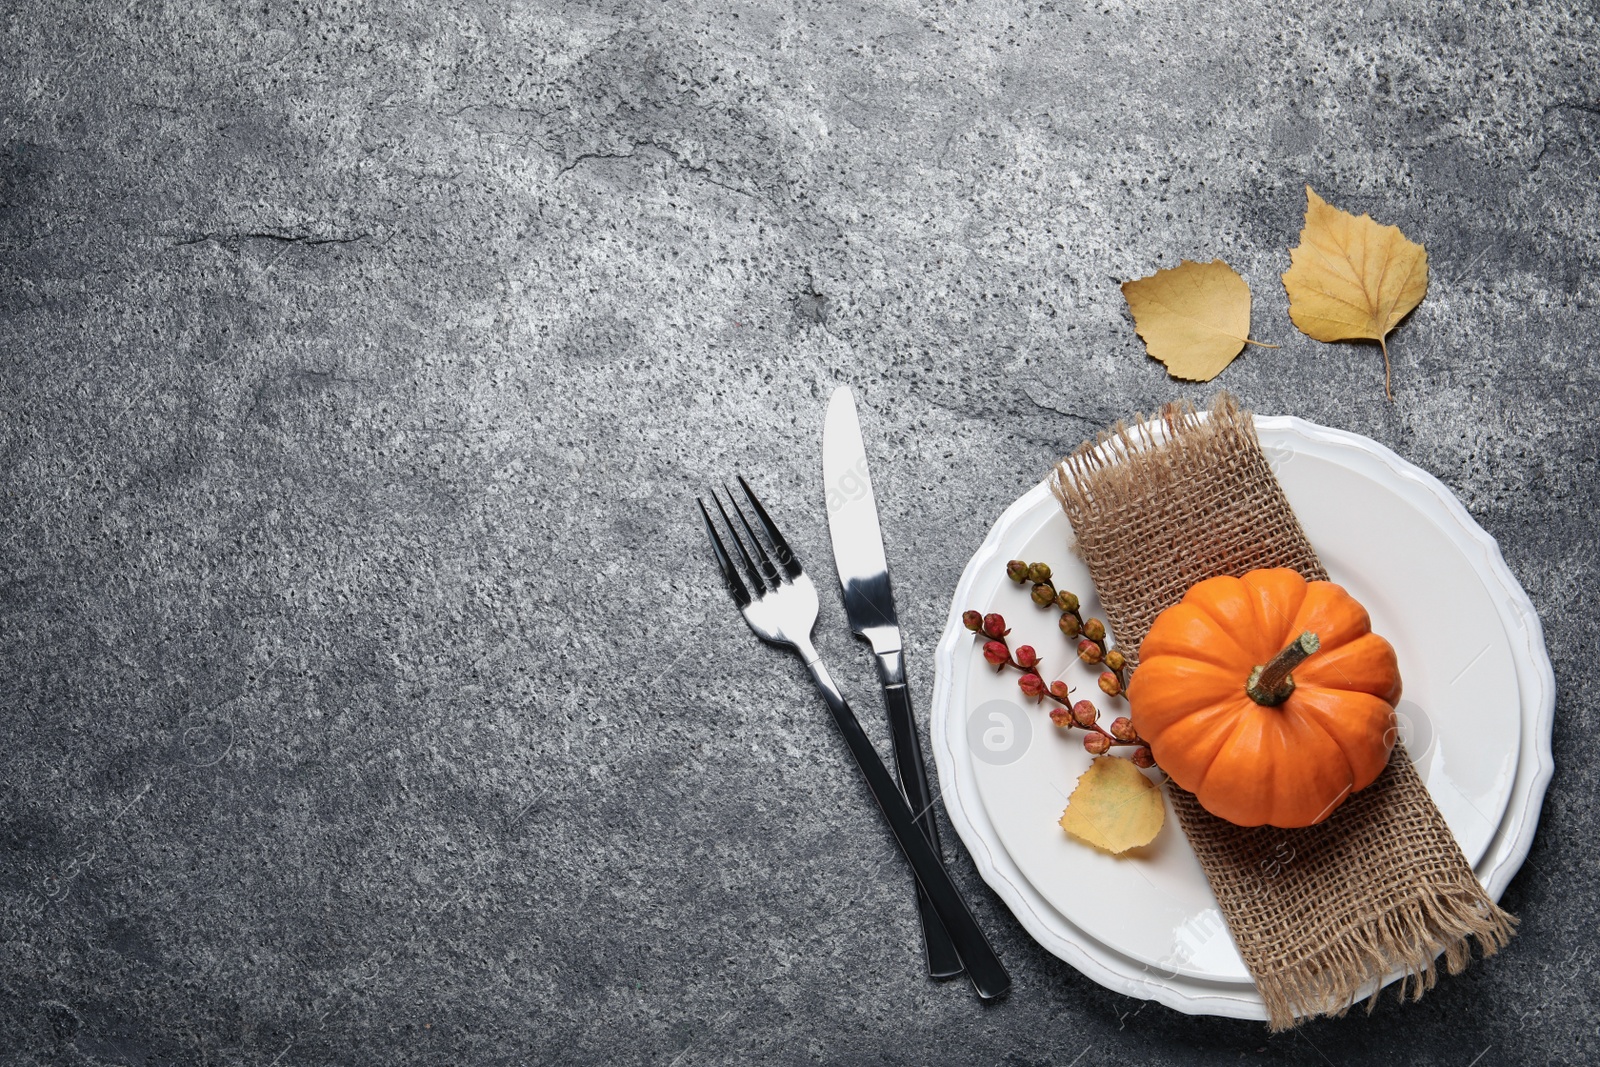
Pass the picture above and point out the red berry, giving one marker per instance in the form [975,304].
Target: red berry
[1026,656]
[1094,630]
[1122,729]
[1098,744]
[1060,691]
[1032,685]
[1088,651]
[1084,713]
[972,620]
[1061,716]
[1069,625]
[997,653]
[1110,684]
[994,625]
[1142,757]
[1017,571]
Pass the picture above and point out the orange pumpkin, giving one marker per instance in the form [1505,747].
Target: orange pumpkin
[1268,697]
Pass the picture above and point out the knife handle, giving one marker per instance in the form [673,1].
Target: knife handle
[943,959]
[907,746]
[983,967]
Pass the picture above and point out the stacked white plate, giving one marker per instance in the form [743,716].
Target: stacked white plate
[1476,717]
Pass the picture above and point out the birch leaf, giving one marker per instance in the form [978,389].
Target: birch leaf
[1114,806]
[1194,317]
[1351,279]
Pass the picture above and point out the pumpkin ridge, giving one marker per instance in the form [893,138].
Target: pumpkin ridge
[1189,745]
[1365,748]
[1326,609]
[1205,597]
[1273,618]
[1312,722]
[1216,661]
[1171,689]
[1364,665]
[1245,722]
[1296,800]
[1175,627]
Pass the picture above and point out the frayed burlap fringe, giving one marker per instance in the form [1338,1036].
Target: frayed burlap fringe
[1322,913]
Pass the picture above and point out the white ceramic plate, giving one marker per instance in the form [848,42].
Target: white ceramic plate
[1476,717]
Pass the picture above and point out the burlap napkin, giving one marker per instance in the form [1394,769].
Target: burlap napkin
[1321,913]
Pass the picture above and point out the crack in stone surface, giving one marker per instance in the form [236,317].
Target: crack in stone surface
[303,239]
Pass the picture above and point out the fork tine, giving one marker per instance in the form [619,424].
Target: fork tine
[741,595]
[786,557]
[767,569]
[749,564]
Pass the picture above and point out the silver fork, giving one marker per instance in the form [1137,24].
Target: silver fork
[783,610]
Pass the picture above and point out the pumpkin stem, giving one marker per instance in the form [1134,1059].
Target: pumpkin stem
[1271,684]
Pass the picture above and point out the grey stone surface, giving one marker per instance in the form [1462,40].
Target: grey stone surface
[366,693]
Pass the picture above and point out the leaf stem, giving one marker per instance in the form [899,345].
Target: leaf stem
[1388,392]
[1260,344]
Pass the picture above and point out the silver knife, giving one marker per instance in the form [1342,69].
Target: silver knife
[869,605]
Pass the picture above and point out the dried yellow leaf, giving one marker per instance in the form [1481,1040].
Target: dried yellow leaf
[1194,317]
[1114,806]
[1351,279]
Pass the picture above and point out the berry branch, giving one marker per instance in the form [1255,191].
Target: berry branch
[1082,714]
[1090,633]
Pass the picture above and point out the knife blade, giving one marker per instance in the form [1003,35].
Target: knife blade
[869,605]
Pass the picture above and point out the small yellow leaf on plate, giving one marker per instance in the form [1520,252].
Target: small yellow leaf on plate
[1114,806]
[1194,317]
[1351,279]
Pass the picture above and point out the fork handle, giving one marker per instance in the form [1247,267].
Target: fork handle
[988,976]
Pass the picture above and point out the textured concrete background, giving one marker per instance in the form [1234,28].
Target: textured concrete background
[366,692]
